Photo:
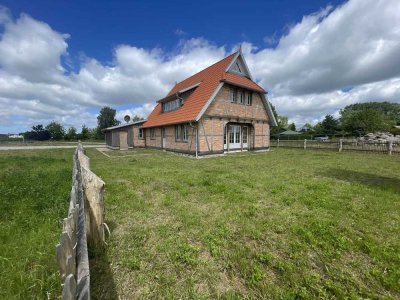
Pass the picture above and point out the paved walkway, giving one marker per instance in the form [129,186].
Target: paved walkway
[47,147]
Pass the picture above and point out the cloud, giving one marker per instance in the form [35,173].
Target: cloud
[142,111]
[356,43]
[331,58]
[180,32]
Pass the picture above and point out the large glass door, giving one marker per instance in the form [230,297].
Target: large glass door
[234,137]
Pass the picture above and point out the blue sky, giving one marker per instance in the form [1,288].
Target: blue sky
[63,60]
[98,26]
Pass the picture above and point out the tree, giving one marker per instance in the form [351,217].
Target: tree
[329,125]
[366,120]
[282,121]
[38,133]
[56,130]
[391,111]
[292,127]
[106,118]
[71,134]
[85,134]
[137,118]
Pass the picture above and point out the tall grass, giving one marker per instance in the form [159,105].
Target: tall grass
[34,191]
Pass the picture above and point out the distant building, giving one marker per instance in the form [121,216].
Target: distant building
[15,136]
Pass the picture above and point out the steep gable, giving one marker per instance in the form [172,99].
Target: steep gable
[203,87]
[239,67]
[208,80]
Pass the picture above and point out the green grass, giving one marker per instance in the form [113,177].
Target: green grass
[34,191]
[283,224]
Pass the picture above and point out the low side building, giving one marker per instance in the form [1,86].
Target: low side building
[125,136]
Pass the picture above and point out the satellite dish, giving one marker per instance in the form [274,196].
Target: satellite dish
[127,118]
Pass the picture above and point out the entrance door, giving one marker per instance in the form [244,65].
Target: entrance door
[123,140]
[234,137]
[163,138]
[245,137]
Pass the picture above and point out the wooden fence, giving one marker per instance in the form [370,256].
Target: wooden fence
[83,228]
[341,145]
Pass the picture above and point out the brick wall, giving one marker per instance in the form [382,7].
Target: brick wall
[170,142]
[222,106]
[136,141]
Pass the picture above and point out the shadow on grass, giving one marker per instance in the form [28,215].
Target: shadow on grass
[102,285]
[375,181]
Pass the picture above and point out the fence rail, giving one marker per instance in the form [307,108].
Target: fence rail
[341,145]
[83,228]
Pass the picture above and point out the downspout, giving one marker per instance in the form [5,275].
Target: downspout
[197,141]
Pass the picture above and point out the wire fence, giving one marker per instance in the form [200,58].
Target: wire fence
[340,145]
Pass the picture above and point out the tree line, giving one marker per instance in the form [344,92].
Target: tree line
[354,120]
[56,131]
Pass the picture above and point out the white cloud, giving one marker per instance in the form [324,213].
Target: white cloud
[142,111]
[352,47]
[357,43]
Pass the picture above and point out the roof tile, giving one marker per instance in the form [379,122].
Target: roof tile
[209,79]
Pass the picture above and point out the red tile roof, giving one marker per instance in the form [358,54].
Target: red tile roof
[209,80]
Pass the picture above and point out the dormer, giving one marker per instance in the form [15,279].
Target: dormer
[177,100]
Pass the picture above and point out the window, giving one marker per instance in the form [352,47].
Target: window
[233,95]
[245,132]
[181,133]
[152,133]
[241,97]
[141,133]
[172,105]
[249,98]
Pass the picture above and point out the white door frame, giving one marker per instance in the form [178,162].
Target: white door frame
[163,138]
[245,129]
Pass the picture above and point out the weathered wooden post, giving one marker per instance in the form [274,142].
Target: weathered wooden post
[390,147]
[277,144]
[93,192]
[305,144]
[340,145]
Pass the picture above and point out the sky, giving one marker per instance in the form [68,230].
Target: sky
[64,60]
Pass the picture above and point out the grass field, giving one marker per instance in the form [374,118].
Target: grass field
[281,224]
[34,191]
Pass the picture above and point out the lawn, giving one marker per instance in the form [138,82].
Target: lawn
[282,224]
[34,191]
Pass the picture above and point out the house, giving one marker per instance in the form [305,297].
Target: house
[217,110]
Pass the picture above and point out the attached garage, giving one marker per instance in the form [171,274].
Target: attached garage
[125,136]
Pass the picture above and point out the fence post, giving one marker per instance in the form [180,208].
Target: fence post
[277,145]
[305,144]
[390,147]
[340,145]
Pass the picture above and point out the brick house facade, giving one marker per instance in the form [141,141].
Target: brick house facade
[217,110]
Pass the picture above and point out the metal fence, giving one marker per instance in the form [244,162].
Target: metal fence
[84,226]
[341,145]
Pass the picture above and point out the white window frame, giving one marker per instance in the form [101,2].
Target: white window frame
[152,133]
[249,98]
[141,133]
[181,133]
[233,95]
[242,97]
